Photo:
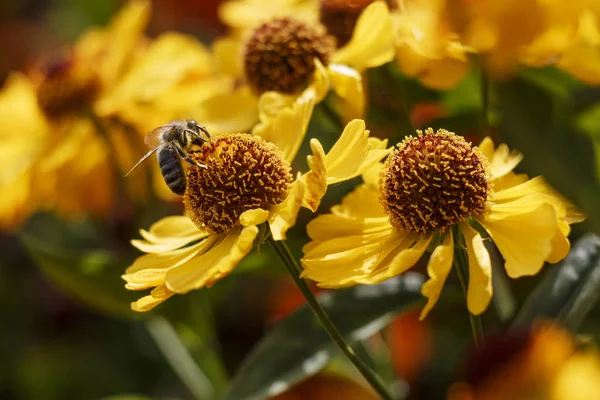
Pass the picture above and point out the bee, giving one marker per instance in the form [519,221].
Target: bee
[172,143]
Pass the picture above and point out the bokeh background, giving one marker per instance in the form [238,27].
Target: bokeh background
[55,345]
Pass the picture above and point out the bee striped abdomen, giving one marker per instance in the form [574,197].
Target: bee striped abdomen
[172,170]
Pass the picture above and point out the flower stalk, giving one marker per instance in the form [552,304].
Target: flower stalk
[294,268]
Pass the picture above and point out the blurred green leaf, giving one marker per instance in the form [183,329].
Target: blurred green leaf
[299,347]
[126,397]
[538,124]
[569,290]
[92,276]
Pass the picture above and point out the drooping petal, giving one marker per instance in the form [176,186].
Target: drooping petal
[362,202]
[168,234]
[216,263]
[438,268]
[283,216]
[158,295]
[315,181]
[524,239]
[254,217]
[367,259]
[287,129]
[329,226]
[347,84]
[372,42]
[479,293]
[504,161]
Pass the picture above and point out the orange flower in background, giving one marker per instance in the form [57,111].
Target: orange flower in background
[326,386]
[543,364]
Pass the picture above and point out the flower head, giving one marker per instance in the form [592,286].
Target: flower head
[248,181]
[430,193]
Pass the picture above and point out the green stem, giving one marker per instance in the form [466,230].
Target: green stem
[294,269]
[179,358]
[461,267]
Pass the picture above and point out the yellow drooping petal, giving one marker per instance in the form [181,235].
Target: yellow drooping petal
[216,263]
[163,261]
[168,234]
[524,239]
[228,112]
[158,295]
[283,216]
[287,129]
[315,181]
[359,259]
[372,42]
[347,84]
[479,293]
[503,161]
[362,202]
[254,217]
[245,14]
[438,268]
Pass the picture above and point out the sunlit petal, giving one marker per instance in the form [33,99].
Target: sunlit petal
[372,42]
[157,296]
[438,268]
[479,293]
[347,84]
[283,216]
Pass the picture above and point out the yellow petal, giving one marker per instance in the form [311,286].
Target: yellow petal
[170,59]
[230,112]
[329,226]
[361,259]
[157,296]
[315,181]
[347,84]
[372,42]
[352,153]
[228,54]
[487,147]
[371,175]
[120,39]
[283,216]
[524,239]
[169,234]
[288,128]
[362,202]
[254,217]
[216,263]
[560,244]
[504,161]
[167,259]
[438,268]
[479,293]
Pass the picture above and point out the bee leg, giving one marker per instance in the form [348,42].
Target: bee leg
[182,154]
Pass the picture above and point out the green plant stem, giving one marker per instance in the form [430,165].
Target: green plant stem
[294,269]
[179,358]
[461,267]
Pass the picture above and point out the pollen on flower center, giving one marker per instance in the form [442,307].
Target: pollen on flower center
[339,16]
[280,55]
[66,84]
[243,173]
[433,181]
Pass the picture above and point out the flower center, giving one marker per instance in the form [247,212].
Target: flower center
[339,16]
[243,173]
[433,181]
[280,55]
[67,84]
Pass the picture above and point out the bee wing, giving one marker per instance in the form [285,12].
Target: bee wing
[148,154]
[154,138]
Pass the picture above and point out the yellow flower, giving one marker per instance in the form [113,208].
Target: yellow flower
[425,47]
[284,57]
[544,364]
[248,182]
[242,15]
[433,190]
[73,126]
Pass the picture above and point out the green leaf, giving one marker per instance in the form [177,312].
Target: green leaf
[92,276]
[538,125]
[299,347]
[569,290]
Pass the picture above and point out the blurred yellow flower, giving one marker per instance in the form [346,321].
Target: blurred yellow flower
[241,15]
[74,125]
[543,364]
[249,182]
[426,48]
[582,56]
[427,195]
[280,59]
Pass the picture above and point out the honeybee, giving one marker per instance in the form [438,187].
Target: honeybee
[172,143]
